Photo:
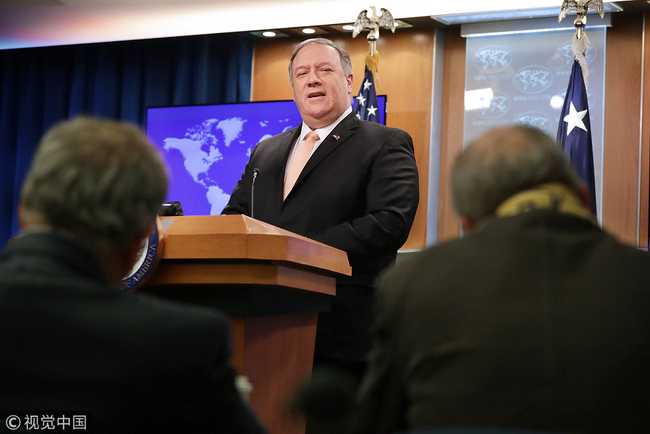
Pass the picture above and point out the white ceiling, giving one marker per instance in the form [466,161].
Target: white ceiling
[33,23]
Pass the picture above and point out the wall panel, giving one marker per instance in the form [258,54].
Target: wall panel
[622,135]
[644,194]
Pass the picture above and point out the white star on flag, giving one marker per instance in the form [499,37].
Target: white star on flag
[372,111]
[366,85]
[574,119]
[361,100]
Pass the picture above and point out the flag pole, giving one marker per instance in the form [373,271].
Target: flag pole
[366,101]
[372,23]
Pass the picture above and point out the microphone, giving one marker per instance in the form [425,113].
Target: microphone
[256,172]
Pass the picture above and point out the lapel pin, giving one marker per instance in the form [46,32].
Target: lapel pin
[336,137]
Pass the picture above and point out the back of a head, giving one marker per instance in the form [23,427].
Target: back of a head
[503,162]
[97,178]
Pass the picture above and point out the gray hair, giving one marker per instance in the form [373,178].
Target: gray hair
[504,162]
[343,55]
[99,179]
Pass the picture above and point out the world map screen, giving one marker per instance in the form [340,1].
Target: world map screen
[206,147]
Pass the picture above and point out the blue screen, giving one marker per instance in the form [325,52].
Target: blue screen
[206,147]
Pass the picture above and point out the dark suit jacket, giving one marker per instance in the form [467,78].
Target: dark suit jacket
[358,192]
[535,321]
[72,342]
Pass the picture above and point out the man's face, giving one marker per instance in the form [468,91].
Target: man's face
[321,90]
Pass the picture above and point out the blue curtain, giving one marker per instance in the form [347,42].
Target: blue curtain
[119,80]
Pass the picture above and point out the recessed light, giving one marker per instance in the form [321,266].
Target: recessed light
[268,34]
[308,31]
[350,27]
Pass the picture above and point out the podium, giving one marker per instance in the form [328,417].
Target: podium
[270,281]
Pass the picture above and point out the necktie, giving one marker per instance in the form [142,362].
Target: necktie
[299,161]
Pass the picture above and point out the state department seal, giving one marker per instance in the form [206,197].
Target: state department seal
[533,79]
[499,106]
[147,259]
[492,59]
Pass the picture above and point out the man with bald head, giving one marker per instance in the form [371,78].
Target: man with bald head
[535,319]
[339,180]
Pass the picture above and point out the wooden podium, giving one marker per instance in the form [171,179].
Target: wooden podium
[270,281]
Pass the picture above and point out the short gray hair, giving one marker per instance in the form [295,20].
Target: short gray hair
[346,63]
[504,162]
[97,178]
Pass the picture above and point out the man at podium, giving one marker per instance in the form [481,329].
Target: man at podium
[77,351]
[339,180]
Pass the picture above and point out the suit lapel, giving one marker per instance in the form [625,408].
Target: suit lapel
[343,131]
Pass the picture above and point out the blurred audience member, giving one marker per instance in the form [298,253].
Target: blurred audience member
[73,343]
[535,319]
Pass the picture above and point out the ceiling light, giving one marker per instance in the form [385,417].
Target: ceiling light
[350,27]
[308,31]
[268,33]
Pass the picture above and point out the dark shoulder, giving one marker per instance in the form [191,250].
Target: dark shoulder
[380,134]
[375,128]
[278,138]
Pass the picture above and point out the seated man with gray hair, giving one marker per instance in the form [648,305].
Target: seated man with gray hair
[73,343]
[535,319]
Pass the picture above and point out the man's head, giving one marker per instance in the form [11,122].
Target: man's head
[320,73]
[100,180]
[504,162]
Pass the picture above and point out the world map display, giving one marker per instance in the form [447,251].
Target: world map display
[206,147]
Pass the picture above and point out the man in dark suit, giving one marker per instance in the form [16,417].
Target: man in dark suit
[358,191]
[535,319]
[73,343]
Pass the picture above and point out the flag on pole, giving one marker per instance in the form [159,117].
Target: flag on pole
[366,106]
[574,131]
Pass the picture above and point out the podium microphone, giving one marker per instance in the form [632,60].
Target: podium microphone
[256,172]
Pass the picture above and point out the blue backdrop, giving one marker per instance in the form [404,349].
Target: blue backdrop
[119,80]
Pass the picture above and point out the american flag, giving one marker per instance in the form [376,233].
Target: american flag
[574,131]
[365,104]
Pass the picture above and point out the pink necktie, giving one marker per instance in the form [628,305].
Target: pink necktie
[299,161]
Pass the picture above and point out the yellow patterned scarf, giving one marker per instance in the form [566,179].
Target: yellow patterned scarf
[545,196]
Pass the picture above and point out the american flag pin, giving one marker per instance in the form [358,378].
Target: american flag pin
[336,137]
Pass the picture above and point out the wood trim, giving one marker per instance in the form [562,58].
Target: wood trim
[453,119]
[644,192]
[227,237]
[242,274]
[622,133]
